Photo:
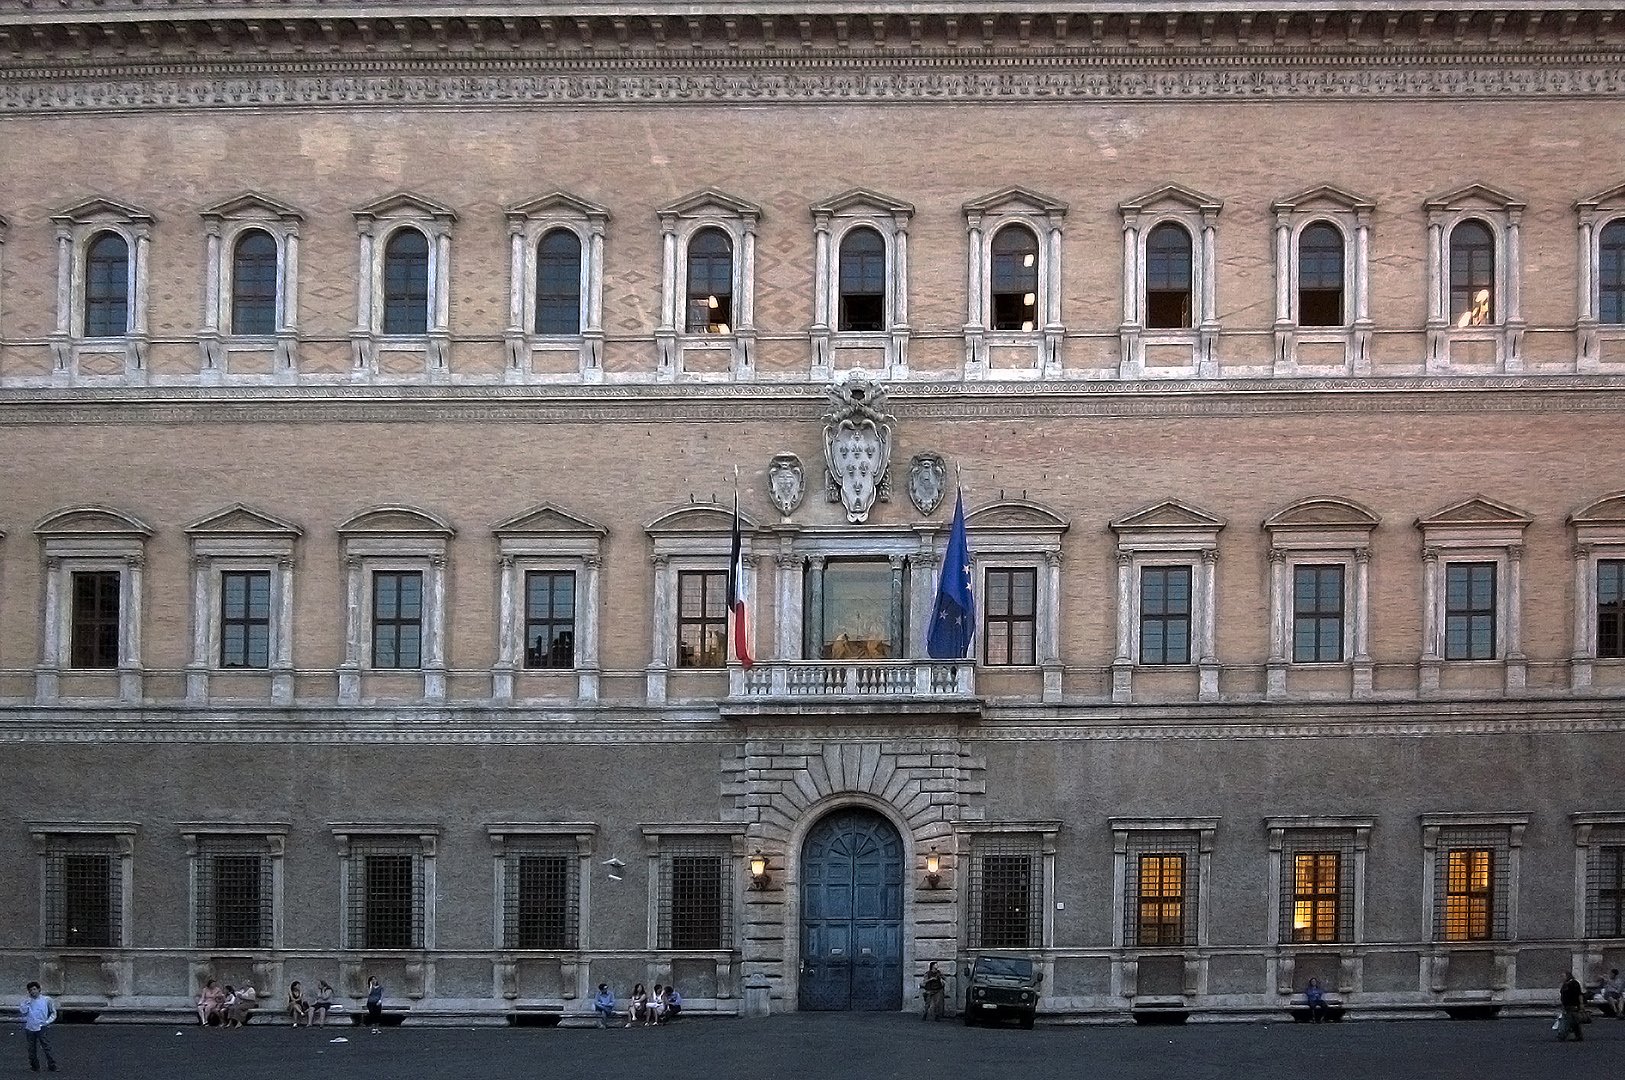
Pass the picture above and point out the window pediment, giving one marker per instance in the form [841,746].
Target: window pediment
[1015,200]
[1479,196]
[708,202]
[548,520]
[1608,510]
[708,518]
[92,521]
[1323,197]
[396,521]
[862,200]
[1612,199]
[241,520]
[251,206]
[1324,511]
[560,204]
[1170,515]
[1478,511]
[1017,514]
[1172,196]
[98,210]
[407,205]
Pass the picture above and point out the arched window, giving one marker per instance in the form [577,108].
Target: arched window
[558,283]
[253,283]
[863,281]
[1015,279]
[710,282]
[1472,275]
[1611,273]
[406,283]
[1168,278]
[1320,276]
[107,286]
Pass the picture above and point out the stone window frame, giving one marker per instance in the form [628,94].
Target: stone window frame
[224,223]
[376,223]
[1024,535]
[1167,532]
[695,536]
[393,537]
[1593,215]
[528,222]
[985,218]
[1198,214]
[1040,838]
[1476,529]
[833,219]
[707,208]
[1599,533]
[271,836]
[425,837]
[85,539]
[729,839]
[51,838]
[1350,215]
[1321,530]
[507,838]
[76,227]
[1124,907]
[1588,824]
[1436,844]
[1280,830]
[240,537]
[546,537]
[1502,214]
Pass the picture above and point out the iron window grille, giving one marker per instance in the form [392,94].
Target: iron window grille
[1605,883]
[406,283]
[702,618]
[1469,611]
[1611,608]
[1010,616]
[863,281]
[696,895]
[1470,883]
[710,282]
[1006,899]
[386,894]
[84,890]
[254,283]
[1317,614]
[1168,278]
[540,895]
[558,283]
[1611,274]
[95,619]
[1320,276]
[1472,275]
[397,619]
[234,893]
[245,619]
[550,618]
[1015,279]
[1317,886]
[107,286]
[1162,888]
[1165,615]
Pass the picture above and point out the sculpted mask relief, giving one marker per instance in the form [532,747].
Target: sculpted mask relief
[857,446]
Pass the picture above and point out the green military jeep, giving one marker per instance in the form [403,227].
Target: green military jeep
[999,987]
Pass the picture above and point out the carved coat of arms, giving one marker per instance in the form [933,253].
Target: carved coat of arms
[857,446]
[927,480]
[786,482]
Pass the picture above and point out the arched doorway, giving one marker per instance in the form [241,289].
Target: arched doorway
[852,913]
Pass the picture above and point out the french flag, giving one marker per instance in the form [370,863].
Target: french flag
[736,590]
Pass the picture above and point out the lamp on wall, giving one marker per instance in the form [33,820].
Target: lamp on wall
[933,870]
[758,871]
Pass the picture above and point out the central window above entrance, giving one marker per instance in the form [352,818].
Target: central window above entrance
[862,617]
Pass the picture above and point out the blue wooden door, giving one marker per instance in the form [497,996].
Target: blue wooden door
[852,914]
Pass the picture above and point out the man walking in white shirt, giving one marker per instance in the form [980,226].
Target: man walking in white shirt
[38,1012]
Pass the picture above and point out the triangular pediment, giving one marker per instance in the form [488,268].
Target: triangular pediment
[396,521]
[92,521]
[1323,197]
[549,520]
[1324,510]
[1474,196]
[405,204]
[1016,514]
[699,518]
[862,199]
[1608,510]
[1614,196]
[1168,514]
[99,209]
[1477,510]
[1172,195]
[710,200]
[1015,198]
[559,202]
[241,520]
[251,205]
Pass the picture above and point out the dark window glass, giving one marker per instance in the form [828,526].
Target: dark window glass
[1165,615]
[1608,919]
[1320,276]
[1015,279]
[542,917]
[550,619]
[1472,275]
[1317,614]
[558,283]
[1469,611]
[702,618]
[397,619]
[1315,895]
[1611,274]
[406,283]
[95,620]
[1168,278]
[107,286]
[1007,902]
[857,610]
[1162,900]
[245,619]
[863,281]
[87,900]
[388,902]
[237,901]
[1010,605]
[710,282]
[696,902]
[253,284]
[1469,903]
[1611,608]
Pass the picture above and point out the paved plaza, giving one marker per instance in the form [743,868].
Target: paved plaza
[835,1046]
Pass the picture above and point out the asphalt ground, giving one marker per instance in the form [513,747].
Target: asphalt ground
[838,1047]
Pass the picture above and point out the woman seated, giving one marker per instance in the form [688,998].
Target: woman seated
[656,1013]
[238,1008]
[637,1010]
[298,1009]
[319,1007]
[210,1000]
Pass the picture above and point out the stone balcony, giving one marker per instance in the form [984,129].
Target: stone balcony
[868,687]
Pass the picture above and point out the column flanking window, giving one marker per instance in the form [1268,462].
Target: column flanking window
[556,294]
[1017,549]
[1167,555]
[707,322]
[403,328]
[1475,315]
[1599,874]
[548,619]
[388,880]
[1170,314]
[85,888]
[1012,873]
[1599,592]
[1013,326]
[242,601]
[1471,874]
[1319,590]
[1472,565]
[1601,266]
[541,883]
[250,308]
[1322,319]
[101,292]
[695,874]
[860,284]
[94,562]
[237,884]
[395,558]
[690,610]
[1162,869]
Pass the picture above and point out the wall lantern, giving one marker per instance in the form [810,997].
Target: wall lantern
[758,871]
[933,870]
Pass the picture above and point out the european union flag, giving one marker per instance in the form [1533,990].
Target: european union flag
[953,616]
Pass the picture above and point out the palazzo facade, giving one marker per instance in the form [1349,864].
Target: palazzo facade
[380,395]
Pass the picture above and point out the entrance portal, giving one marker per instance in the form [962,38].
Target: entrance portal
[852,913]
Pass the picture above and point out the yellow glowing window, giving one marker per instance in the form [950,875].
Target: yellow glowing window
[1315,879]
[1469,894]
